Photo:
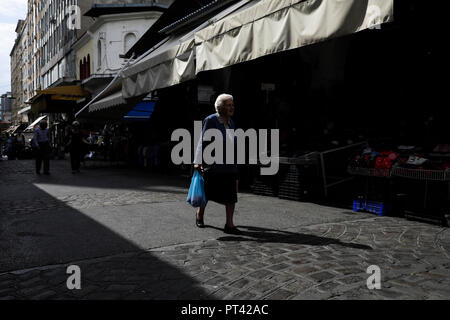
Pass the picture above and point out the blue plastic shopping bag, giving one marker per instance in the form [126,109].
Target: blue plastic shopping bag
[196,196]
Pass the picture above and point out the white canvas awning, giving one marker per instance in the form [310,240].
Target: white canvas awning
[31,126]
[112,100]
[23,110]
[271,26]
[12,129]
[171,63]
[168,65]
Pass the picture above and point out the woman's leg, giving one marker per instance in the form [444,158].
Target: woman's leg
[199,217]
[229,208]
[201,213]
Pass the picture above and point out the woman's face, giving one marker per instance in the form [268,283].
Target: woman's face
[228,108]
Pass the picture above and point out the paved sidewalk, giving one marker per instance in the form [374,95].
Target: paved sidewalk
[134,238]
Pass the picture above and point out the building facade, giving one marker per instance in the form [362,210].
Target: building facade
[19,70]
[5,106]
[56,60]
[43,55]
[57,22]
[98,51]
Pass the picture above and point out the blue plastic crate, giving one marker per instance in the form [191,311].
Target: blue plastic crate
[375,207]
[369,206]
[359,205]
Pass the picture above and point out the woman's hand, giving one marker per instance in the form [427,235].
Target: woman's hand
[198,167]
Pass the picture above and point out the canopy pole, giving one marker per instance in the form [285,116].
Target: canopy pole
[107,87]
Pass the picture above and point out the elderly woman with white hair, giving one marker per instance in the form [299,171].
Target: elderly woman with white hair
[221,180]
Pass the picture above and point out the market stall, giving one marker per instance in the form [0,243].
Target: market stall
[408,181]
[107,146]
[424,179]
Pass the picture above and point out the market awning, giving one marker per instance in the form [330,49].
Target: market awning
[31,126]
[142,112]
[170,63]
[271,26]
[20,128]
[26,109]
[45,104]
[107,102]
[11,129]
[111,106]
[58,99]
[66,93]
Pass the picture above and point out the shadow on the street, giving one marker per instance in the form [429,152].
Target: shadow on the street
[263,235]
[37,229]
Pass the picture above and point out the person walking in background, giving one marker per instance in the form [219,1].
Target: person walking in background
[20,145]
[2,142]
[75,145]
[221,180]
[10,147]
[41,143]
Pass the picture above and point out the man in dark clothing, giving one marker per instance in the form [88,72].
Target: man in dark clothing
[41,143]
[20,145]
[75,144]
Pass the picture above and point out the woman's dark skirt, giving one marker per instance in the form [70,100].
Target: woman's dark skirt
[221,187]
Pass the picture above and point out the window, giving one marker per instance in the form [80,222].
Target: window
[99,54]
[129,41]
[81,70]
[84,68]
[88,66]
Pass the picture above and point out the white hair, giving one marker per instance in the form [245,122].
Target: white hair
[221,100]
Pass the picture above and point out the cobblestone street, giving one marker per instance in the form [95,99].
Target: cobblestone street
[134,237]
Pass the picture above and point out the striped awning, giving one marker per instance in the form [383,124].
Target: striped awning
[112,100]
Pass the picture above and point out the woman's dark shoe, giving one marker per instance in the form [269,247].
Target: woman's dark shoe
[233,230]
[199,222]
